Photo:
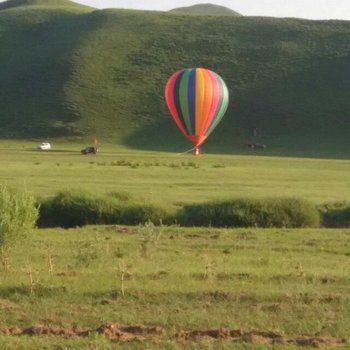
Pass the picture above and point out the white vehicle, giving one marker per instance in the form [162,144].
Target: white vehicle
[44,146]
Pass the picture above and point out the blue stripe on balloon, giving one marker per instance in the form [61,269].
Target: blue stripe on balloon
[192,100]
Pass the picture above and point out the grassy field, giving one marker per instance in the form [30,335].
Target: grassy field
[289,287]
[171,179]
[291,283]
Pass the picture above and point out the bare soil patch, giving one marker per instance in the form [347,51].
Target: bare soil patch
[260,337]
[6,304]
[116,332]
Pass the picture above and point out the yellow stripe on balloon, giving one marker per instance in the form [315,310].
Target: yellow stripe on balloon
[200,97]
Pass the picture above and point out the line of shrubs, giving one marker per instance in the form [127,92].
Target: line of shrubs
[70,209]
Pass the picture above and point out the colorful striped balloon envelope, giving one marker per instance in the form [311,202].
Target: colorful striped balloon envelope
[197,99]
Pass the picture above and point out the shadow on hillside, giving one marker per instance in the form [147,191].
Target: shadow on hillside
[44,76]
[229,139]
[294,116]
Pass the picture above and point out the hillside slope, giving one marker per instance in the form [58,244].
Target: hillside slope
[72,71]
[206,9]
[44,3]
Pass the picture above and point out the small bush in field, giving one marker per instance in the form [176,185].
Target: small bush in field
[18,215]
[335,214]
[70,209]
[278,212]
[151,235]
[141,214]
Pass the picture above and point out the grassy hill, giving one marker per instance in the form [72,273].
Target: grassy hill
[71,71]
[206,9]
[51,3]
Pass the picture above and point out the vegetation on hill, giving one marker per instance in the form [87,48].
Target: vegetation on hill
[206,9]
[72,71]
[17,3]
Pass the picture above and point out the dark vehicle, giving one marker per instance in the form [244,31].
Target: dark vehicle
[89,150]
[256,145]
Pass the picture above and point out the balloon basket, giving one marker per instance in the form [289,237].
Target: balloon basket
[196,151]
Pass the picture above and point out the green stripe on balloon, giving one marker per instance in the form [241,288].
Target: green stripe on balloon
[183,89]
[222,107]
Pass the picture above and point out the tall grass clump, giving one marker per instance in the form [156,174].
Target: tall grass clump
[71,209]
[141,214]
[269,212]
[18,215]
[335,214]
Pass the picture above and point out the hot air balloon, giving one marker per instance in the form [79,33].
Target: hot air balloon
[197,99]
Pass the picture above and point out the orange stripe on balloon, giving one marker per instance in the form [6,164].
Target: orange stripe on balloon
[213,81]
[208,99]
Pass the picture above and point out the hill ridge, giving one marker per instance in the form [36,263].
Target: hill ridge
[206,9]
[52,3]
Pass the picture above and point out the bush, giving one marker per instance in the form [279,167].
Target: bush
[279,212]
[135,215]
[335,214]
[18,215]
[71,209]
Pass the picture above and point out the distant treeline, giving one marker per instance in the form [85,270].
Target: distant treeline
[69,209]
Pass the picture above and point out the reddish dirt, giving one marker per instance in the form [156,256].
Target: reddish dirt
[260,337]
[114,331]
[7,304]
[110,330]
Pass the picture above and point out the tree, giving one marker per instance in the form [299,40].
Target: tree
[18,215]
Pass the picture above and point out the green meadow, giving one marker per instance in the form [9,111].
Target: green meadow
[287,287]
[69,72]
[171,178]
[291,284]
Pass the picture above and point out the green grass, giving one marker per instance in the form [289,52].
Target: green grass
[293,282]
[170,179]
[104,72]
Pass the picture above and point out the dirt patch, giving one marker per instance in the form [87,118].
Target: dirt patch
[7,304]
[319,342]
[116,332]
[54,331]
[10,331]
[259,337]
[110,330]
